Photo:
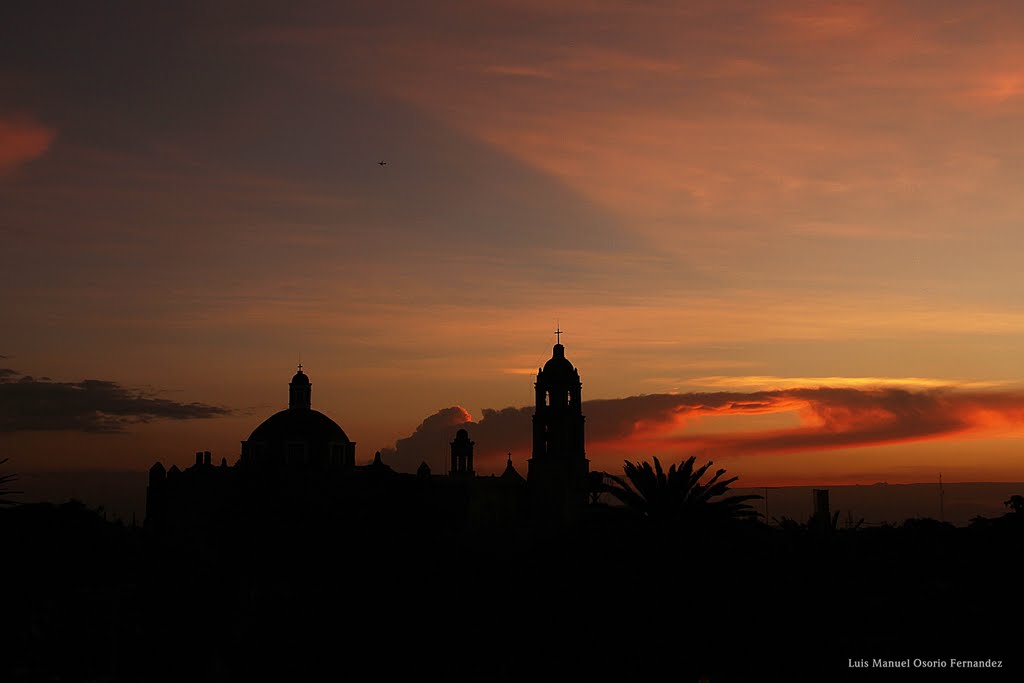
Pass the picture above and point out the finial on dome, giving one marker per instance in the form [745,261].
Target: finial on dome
[558,334]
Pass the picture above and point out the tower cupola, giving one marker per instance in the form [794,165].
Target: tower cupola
[300,391]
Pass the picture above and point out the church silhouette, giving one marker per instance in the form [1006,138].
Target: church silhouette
[295,561]
[300,461]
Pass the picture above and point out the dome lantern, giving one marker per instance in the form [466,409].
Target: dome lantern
[300,391]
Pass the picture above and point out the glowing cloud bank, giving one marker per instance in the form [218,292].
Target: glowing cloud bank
[667,424]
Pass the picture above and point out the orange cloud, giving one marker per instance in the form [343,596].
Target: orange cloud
[664,424]
[21,141]
[771,382]
[728,136]
[833,418]
[827,22]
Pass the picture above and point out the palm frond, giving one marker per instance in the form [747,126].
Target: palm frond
[6,479]
[678,495]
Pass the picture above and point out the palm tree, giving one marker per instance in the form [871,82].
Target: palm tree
[678,495]
[6,479]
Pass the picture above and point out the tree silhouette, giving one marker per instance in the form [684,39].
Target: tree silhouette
[5,480]
[1015,503]
[679,495]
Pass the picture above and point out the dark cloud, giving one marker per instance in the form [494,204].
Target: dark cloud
[429,442]
[92,405]
[653,424]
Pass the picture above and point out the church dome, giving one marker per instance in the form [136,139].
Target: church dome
[309,426]
[559,366]
[299,434]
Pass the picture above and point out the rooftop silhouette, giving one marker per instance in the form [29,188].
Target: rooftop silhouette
[296,560]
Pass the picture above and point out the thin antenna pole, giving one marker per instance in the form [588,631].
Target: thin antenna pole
[942,500]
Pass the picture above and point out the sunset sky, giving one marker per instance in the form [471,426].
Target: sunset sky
[784,236]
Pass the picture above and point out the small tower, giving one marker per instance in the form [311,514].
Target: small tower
[300,391]
[510,475]
[462,455]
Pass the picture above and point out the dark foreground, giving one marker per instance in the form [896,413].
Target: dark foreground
[615,598]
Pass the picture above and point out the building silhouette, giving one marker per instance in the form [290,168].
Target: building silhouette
[558,470]
[462,455]
[820,500]
[299,437]
[300,461]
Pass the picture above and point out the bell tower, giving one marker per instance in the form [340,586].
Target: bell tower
[557,472]
[462,455]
